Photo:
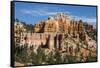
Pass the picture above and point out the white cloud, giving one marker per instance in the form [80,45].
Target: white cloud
[28,11]
[40,12]
[45,12]
[90,20]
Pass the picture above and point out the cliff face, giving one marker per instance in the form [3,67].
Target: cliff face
[59,24]
[58,34]
[51,28]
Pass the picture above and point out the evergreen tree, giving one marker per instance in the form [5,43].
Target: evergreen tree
[38,58]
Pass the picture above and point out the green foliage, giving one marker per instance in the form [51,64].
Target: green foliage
[90,58]
[50,59]
[90,31]
[54,57]
[21,54]
[58,57]
[38,58]
[29,27]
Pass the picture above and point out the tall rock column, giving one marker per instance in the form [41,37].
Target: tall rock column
[51,42]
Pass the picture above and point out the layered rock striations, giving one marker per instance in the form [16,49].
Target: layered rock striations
[59,32]
[58,37]
[59,24]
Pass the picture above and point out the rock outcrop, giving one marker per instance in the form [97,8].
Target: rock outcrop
[59,24]
[58,34]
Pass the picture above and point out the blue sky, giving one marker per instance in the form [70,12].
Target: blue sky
[32,13]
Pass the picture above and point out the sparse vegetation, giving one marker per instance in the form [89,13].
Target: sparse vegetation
[73,46]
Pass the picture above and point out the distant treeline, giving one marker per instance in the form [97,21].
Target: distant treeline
[29,27]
